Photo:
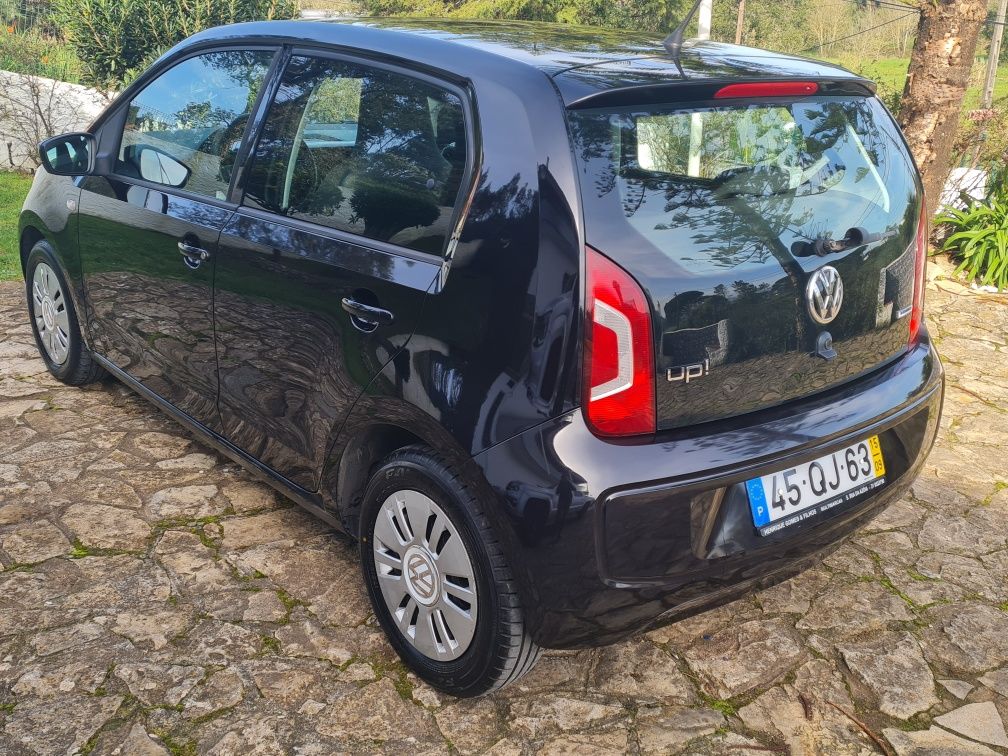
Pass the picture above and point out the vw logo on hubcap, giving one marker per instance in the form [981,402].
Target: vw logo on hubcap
[824,294]
[421,575]
[48,313]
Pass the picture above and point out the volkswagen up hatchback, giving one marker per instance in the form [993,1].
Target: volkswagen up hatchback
[575,338]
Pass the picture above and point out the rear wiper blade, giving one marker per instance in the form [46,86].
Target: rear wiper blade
[855,237]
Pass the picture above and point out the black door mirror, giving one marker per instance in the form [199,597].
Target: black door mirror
[68,154]
[160,167]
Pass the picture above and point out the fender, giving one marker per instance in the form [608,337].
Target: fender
[53,218]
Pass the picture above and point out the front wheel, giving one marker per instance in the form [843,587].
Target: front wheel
[438,580]
[54,320]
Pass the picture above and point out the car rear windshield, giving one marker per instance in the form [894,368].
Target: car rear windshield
[815,167]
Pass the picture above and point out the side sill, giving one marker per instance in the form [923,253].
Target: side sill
[306,499]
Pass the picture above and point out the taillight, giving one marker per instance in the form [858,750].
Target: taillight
[920,262]
[619,394]
[767,89]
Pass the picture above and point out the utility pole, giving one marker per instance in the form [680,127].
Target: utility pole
[992,59]
[704,19]
[738,23]
[696,120]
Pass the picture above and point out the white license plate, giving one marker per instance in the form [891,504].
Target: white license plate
[788,497]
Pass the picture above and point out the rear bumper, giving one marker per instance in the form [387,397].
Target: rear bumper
[610,538]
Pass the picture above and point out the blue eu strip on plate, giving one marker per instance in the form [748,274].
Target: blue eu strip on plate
[758,502]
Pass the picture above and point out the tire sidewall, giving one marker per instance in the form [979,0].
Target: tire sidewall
[467,675]
[40,253]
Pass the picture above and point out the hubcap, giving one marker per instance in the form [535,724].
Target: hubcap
[49,309]
[426,575]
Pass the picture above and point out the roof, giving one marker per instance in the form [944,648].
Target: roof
[582,60]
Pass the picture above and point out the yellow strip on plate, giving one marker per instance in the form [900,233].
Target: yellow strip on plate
[876,452]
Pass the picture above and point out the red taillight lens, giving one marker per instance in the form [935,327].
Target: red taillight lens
[768,89]
[920,262]
[619,395]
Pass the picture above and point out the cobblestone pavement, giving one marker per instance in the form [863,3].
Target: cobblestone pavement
[155,599]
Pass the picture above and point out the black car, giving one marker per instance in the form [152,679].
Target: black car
[575,334]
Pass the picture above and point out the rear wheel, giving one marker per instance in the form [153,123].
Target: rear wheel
[54,320]
[437,577]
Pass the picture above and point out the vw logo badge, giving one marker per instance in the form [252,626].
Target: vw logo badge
[421,577]
[824,294]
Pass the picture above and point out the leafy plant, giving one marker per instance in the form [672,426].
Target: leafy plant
[115,37]
[29,53]
[979,240]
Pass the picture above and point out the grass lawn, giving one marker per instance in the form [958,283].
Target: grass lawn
[13,189]
[890,75]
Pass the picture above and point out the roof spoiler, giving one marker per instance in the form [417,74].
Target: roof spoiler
[706,90]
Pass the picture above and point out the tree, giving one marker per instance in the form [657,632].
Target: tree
[939,72]
[115,37]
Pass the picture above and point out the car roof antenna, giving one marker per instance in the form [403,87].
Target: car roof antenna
[673,42]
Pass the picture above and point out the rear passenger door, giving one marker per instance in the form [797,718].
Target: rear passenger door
[349,202]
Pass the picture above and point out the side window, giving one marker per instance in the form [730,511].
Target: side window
[363,150]
[184,128]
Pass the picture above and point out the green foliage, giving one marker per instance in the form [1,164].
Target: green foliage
[778,25]
[979,240]
[786,25]
[645,15]
[115,37]
[29,53]
[13,190]
[33,16]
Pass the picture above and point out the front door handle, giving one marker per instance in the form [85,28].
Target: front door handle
[192,254]
[366,317]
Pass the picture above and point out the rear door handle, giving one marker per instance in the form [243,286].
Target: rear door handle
[365,317]
[193,255]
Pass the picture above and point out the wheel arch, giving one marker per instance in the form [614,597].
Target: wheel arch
[32,231]
[30,236]
[374,430]
[346,478]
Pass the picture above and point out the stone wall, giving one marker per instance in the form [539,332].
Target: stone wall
[33,108]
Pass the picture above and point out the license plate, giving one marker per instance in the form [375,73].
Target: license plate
[787,497]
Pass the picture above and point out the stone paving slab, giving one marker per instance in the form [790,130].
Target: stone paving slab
[155,599]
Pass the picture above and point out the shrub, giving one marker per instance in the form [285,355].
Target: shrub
[114,37]
[979,240]
[29,53]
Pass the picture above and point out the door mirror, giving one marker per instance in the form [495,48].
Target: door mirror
[161,168]
[68,154]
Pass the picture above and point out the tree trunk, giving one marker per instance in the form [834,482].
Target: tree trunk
[936,81]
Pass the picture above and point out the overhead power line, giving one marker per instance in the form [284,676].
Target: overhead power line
[889,5]
[859,33]
[885,4]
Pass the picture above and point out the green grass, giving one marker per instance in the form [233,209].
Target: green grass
[890,75]
[13,189]
[888,71]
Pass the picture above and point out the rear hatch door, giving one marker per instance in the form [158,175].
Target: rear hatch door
[774,237]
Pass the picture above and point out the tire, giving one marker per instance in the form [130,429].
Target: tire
[492,645]
[54,320]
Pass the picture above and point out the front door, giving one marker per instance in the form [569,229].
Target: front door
[149,229]
[322,272]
